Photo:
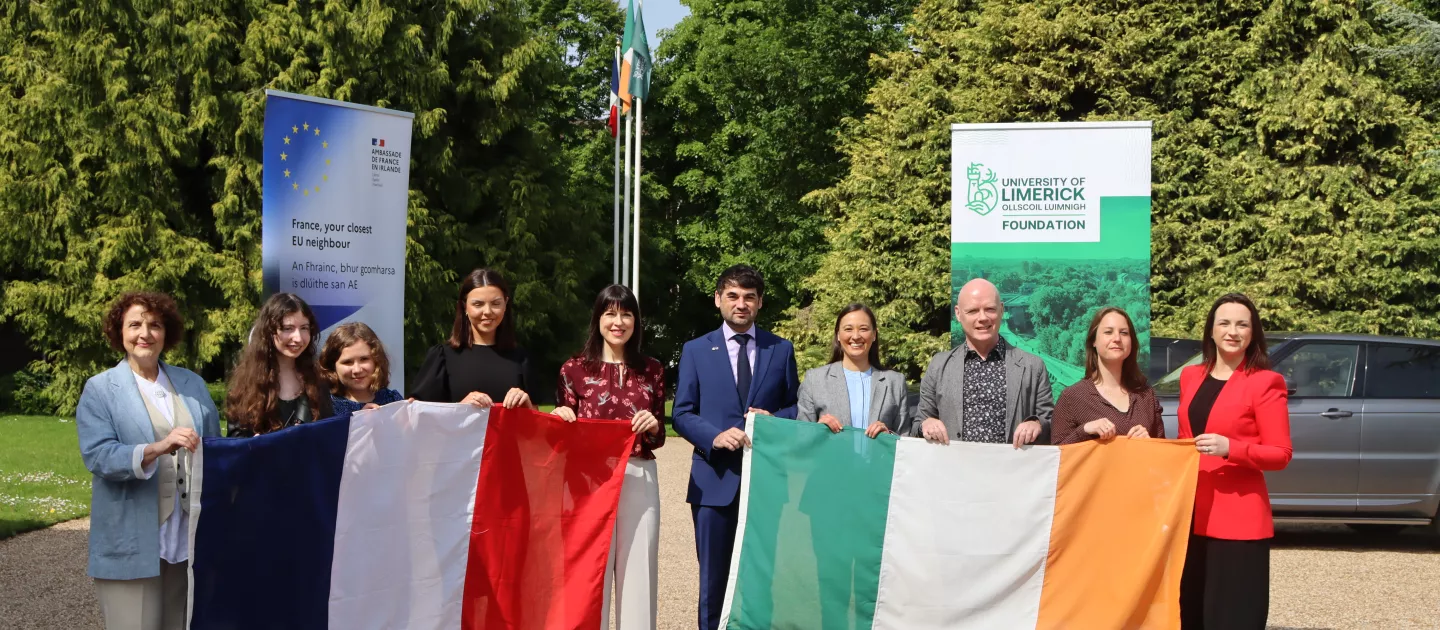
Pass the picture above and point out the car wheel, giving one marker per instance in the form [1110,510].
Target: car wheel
[1377,529]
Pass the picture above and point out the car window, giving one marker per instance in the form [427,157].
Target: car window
[1170,385]
[1403,372]
[1325,370]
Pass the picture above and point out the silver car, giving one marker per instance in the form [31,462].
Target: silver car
[1365,426]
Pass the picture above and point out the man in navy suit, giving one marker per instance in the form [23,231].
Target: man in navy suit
[723,375]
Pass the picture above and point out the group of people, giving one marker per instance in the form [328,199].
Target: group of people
[139,421]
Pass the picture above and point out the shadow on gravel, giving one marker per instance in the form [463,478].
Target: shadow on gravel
[1342,538]
[16,525]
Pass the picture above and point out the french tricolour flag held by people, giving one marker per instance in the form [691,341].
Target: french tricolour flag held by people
[845,531]
[413,515]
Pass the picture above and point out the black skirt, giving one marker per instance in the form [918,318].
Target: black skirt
[1225,585]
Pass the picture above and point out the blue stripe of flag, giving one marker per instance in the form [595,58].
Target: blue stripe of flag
[265,537]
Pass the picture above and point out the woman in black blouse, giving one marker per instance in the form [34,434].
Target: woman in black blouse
[480,363]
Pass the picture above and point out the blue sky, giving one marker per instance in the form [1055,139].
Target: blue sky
[660,14]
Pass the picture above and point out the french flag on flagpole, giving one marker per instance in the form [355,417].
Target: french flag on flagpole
[414,515]
[614,122]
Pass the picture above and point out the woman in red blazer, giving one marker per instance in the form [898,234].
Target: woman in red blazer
[1235,409]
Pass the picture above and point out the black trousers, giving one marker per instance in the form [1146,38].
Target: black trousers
[1225,585]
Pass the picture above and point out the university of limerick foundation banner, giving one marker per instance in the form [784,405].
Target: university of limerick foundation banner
[334,199]
[1057,216]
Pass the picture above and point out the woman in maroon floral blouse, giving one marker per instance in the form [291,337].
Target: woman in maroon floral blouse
[611,379]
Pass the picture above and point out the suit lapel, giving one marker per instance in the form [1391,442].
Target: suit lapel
[763,341]
[127,396]
[837,389]
[1230,396]
[181,385]
[1187,392]
[877,395]
[720,362]
[1014,376]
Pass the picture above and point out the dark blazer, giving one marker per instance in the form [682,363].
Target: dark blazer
[825,390]
[707,403]
[1027,392]
[1231,500]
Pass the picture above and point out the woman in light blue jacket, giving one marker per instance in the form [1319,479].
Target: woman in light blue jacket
[853,389]
[138,423]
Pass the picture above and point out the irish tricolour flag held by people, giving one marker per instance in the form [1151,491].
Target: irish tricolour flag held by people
[413,515]
[844,531]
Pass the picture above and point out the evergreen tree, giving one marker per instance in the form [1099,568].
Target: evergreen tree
[132,143]
[1284,160]
[750,96]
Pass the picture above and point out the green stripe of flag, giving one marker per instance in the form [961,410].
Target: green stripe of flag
[814,527]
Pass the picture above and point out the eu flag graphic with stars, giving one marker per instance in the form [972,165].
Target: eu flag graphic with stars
[304,147]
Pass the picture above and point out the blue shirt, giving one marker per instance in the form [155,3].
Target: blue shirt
[858,384]
[344,406]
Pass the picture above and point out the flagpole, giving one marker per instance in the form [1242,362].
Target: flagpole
[625,214]
[616,247]
[635,286]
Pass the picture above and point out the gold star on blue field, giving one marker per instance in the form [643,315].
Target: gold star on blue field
[303,178]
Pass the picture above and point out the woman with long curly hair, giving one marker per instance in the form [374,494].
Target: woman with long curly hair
[277,383]
[138,423]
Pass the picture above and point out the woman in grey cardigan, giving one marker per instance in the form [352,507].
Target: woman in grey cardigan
[854,390]
[138,422]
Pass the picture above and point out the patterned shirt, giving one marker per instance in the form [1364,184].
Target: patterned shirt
[984,397]
[596,392]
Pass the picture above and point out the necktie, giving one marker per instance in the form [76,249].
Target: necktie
[742,369]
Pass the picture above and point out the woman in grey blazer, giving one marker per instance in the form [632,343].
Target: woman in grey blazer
[854,390]
[138,422]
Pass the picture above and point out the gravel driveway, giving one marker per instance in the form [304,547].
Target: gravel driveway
[1322,576]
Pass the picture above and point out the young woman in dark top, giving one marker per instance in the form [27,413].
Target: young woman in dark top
[480,363]
[1113,398]
[357,368]
[277,384]
[611,380]
[1235,408]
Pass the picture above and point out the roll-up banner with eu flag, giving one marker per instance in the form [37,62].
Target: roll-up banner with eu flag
[1057,216]
[336,189]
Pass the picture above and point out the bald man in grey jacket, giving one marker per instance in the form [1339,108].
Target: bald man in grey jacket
[984,390]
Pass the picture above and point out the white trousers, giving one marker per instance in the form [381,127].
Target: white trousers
[156,603]
[634,563]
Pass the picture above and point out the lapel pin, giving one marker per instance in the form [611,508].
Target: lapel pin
[714,347]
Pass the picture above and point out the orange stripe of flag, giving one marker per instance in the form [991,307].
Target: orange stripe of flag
[1115,561]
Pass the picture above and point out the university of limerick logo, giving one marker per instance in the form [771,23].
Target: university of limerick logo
[981,196]
[303,139]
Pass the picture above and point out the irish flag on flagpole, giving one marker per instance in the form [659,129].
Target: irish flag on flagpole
[840,531]
[635,58]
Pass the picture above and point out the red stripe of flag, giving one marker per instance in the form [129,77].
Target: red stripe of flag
[544,517]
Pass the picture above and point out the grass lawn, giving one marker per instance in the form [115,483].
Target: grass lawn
[42,480]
